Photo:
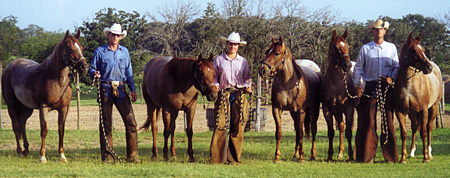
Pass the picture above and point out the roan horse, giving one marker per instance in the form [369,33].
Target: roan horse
[296,89]
[172,84]
[28,85]
[417,92]
[338,94]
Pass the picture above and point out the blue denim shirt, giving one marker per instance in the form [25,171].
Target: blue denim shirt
[113,65]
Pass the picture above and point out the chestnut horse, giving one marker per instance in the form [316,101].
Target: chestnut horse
[172,84]
[338,94]
[28,85]
[296,89]
[417,92]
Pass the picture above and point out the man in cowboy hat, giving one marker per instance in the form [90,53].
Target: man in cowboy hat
[377,64]
[111,64]
[234,80]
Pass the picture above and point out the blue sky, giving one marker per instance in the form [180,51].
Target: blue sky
[55,15]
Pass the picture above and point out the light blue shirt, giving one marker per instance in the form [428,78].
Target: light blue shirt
[375,61]
[113,65]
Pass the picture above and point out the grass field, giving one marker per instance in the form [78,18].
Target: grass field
[83,153]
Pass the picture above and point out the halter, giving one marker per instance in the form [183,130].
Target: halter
[274,68]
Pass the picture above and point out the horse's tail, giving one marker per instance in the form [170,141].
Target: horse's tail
[307,124]
[146,124]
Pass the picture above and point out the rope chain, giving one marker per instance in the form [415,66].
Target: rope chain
[381,100]
[102,122]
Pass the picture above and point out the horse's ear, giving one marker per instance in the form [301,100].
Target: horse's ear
[67,34]
[210,58]
[200,57]
[418,38]
[345,35]
[273,39]
[78,34]
[410,36]
[281,39]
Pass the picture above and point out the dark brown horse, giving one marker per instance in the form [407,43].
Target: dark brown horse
[339,94]
[417,92]
[296,89]
[172,84]
[28,85]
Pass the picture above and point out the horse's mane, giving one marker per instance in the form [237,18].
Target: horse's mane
[47,65]
[179,68]
[403,51]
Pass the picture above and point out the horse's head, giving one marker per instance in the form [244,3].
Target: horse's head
[338,52]
[204,77]
[275,57]
[415,54]
[73,52]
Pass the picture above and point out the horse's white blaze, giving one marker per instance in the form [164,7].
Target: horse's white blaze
[43,159]
[413,150]
[79,50]
[342,44]
[209,69]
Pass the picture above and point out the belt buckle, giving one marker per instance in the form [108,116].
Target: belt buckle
[115,85]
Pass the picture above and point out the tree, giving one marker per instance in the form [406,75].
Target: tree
[9,38]
[133,23]
[37,44]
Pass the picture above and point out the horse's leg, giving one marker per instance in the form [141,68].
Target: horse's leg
[278,132]
[329,119]
[166,121]
[173,117]
[349,119]
[313,114]
[62,115]
[42,119]
[190,113]
[19,116]
[414,128]
[402,122]
[340,121]
[423,122]
[153,112]
[432,113]
[299,118]
[296,127]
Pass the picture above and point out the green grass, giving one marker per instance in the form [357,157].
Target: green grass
[83,153]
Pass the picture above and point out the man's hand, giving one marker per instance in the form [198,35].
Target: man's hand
[133,97]
[389,80]
[360,91]
[97,74]
[248,90]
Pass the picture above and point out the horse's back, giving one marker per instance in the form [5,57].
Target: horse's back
[308,63]
[313,78]
[153,76]
[436,84]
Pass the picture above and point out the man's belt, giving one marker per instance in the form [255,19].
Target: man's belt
[232,89]
[115,87]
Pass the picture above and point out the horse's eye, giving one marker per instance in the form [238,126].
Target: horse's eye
[277,54]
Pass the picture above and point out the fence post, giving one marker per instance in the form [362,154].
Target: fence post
[258,104]
[142,95]
[78,101]
[1,93]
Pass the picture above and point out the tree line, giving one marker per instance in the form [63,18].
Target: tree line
[183,30]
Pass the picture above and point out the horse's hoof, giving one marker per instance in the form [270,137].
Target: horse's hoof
[403,161]
[313,158]
[330,160]
[64,160]
[276,161]
[301,161]
[21,155]
[339,156]
[426,161]
[154,158]
[26,153]
[134,160]
[43,160]
[296,156]
[191,160]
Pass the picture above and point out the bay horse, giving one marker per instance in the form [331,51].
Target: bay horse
[296,89]
[172,84]
[417,92]
[28,85]
[338,94]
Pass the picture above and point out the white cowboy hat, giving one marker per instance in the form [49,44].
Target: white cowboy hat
[234,38]
[379,24]
[115,29]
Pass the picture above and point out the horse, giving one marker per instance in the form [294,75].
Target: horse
[28,85]
[172,84]
[338,94]
[417,92]
[296,89]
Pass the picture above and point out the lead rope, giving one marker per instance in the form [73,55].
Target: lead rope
[101,121]
[381,100]
[346,87]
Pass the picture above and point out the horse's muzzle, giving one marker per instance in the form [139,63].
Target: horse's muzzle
[264,71]
[212,95]
[82,66]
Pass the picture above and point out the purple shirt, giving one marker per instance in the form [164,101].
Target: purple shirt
[232,72]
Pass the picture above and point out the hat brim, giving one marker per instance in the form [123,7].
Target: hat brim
[225,40]
[106,32]
[384,25]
